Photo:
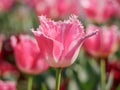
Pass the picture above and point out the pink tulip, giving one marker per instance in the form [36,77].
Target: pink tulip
[57,8]
[28,56]
[99,10]
[7,85]
[104,43]
[60,42]
[5,5]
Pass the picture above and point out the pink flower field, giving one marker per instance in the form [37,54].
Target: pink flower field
[59,44]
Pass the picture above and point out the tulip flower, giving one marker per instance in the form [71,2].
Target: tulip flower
[103,44]
[5,5]
[60,42]
[7,85]
[28,56]
[28,59]
[99,10]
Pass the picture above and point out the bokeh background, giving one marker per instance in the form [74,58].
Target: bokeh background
[18,17]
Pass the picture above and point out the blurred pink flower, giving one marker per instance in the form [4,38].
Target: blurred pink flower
[5,5]
[104,43]
[99,10]
[57,8]
[60,42]
[7,68]
[28,57]
[7,85]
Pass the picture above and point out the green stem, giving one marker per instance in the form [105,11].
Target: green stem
[30,79]
[103,75]
[43,87]
[58,77]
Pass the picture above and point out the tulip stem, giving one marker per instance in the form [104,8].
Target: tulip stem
[103,75]
[30,79]
[58,77]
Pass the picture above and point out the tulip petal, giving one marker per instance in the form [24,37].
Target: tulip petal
[75,51]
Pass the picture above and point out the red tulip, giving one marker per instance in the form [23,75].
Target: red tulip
[99,10]
[28,56]
[104,43]
[7,85]
[60,42]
